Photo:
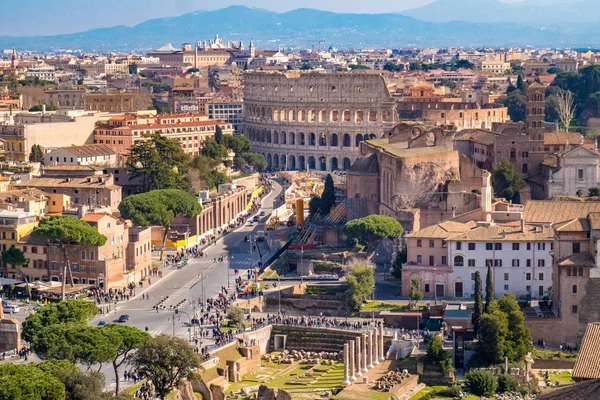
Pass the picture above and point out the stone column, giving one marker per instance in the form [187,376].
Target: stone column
[381,340]
[370,350]
[375,350]
[358,357]
[364,353]
[352,361]
[346,380]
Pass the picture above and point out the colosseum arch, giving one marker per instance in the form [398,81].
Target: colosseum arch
[283,162]
[323,163]
[322,140]
[359,138]
[301,163]
[262,112]
[334,163]
[283,115]
[292,165]
[268,136]
[292,115]
[275,114]
[372,116]
[346,116]
[313,139]
[283,139]
[322,115]
[301,116]
[372,136]
[334,116]
[302,139]
[312,163]
[347,164]
[275,161]
[333,142]
[276,137]
[269,160]
[269,113]
[346,141]
[292,138]
[312,115]
[359,116]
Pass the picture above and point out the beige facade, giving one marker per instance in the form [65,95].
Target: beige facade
[109,101]
[314,120]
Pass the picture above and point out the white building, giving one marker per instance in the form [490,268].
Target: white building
[519,254]
[495,67]
[89,154]
[227,110]
[576,172]
[42,72]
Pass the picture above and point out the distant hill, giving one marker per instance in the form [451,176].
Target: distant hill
[530,12]
[301,28]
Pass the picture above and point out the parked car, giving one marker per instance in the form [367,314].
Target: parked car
[262,213]
[124,318]
[13,308]
[256,218]
[101,323]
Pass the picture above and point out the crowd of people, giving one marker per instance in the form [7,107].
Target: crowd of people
[145,392]
[317,322]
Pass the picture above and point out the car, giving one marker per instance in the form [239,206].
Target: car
[101,323]
[256,218]
[124,318]
[262,213]
[12,308]
[251,223]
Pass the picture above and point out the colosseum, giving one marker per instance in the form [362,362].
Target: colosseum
[315,120]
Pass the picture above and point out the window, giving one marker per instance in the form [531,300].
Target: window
[568,271]
[528,262]
[515,262]
[579,174]
[427,288]
[473,276]
[431,243]
[431,260]
[580,272]
[574,289]
[515,246]
[541,263]
[576,248]
[525,154]
[53,250]
[444,244]
[444,260]
[506,276]
[459,261]
[471,246]
[34,249]
[528,288]
[92,269]
[528,246]
[489,246]
[489,262]
[528,276]
[506,288]
[458,245]
[419,259]
[574,309]
[497,263]
[541,276]
[497,246]
[541,246]
[471,262]
[92,255]
[419,243]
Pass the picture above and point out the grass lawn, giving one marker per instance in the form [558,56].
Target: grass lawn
[420,394]
[366,395]
[564,378]
[377,305]
[553,355]
[132,389]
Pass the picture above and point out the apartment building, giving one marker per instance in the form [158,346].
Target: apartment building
[228,110]
[14,226]
[89,154]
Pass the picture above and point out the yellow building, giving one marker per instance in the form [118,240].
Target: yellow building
[14,225]
[33,201]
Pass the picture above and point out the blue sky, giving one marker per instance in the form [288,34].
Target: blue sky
[46,17]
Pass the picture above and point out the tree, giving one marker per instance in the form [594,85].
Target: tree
[125,340]
[328,196]
[15,257]
[36,154]
[516,103]
[238,162]
[193,70]
[371,229]
[65,232]
[401,258]
[219,135]
[314,205]
[489,289]
[507,182]
[258,161]
[159,207]
[78,385]
[361,281]
[358,66]
[435,350]
[594,191]
[27,382]
[521,85]
[166,361]
[239,144]
[518,337]
[236,318]
[214,150]
[481,383]
[507,383]
[63,312]
[159,162]
[554,70]
[565,108]
[478,307]
[392,67]
[415,295]
[491,347]
[39,107]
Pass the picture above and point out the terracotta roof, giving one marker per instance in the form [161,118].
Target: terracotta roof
[575,225]
[587,365]
[165,126]
[90,150]
[551,161]
[445,230]
[578,260]
[585,390]
[76,182]
[400,152]
[507,232]
[92,217]
[549,211]
[562,138]
[477,136]
[594,220]
[67,167]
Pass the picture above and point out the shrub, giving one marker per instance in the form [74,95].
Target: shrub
[327,268]
[507,383]
[481,383]
[452,391]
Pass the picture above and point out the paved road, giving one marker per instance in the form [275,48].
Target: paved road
[186,284]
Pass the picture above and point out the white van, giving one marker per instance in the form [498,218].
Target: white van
[13,308]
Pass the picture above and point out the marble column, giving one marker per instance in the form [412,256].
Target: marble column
[381,340]
[358,357]
[370,350]
[352,361]
[375,350]
[346,380]
[365,354]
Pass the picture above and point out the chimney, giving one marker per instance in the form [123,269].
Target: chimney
[522,224]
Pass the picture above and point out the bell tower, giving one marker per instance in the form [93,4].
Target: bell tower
[536,108]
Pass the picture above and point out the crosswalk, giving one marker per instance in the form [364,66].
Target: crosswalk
[234,262]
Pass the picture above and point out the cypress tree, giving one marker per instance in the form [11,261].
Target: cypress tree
[521,84]
[328,196]
[489,288]
[478,309]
